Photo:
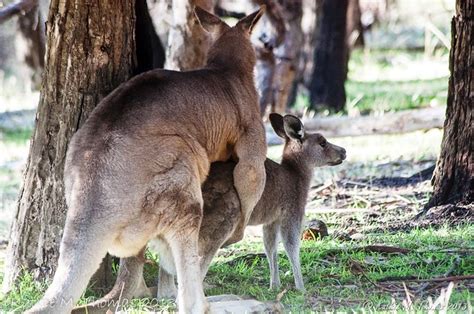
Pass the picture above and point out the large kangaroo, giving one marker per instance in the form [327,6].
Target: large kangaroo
[134,170]
[280,210]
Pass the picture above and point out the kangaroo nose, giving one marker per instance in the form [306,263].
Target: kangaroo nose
[343,153]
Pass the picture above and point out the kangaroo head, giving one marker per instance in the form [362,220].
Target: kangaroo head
[303,148]
[231,47]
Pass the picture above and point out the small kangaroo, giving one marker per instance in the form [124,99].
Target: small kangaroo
[280,210]
[134,170]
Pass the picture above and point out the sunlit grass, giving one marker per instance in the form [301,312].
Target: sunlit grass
[327,267]
[392,80]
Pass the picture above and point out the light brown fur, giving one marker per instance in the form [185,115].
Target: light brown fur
[280,209]
[134,170]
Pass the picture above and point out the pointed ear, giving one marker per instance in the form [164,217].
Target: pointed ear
[277,124]
[208,21]
[293,127]
[248,22]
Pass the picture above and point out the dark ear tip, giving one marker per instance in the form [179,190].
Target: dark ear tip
[274,114]
[275,117]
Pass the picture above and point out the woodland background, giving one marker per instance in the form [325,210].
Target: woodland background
[371,75]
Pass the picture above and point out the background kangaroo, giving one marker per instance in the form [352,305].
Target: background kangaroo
[134,170]
[280,210]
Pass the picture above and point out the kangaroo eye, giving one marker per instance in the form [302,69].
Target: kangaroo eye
[323,144]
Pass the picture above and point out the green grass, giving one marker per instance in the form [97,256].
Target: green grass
[385,96]
[327,266]
[18,136]
[378,81]
[392,80]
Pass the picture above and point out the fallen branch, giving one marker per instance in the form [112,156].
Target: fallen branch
[20,7]
[444,279]
[371,248]
[389,123]
[385,249]
[435,279]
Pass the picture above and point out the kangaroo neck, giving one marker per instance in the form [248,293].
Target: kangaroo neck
[300,172]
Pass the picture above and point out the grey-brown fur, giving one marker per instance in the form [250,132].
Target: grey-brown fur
[280,210]
[134,170]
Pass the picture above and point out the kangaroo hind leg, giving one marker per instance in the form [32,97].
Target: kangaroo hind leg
[182,235]
[81,252]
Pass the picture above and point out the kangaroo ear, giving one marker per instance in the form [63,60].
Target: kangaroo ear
[248,22]
[293,127]
[208,21]
[277,124]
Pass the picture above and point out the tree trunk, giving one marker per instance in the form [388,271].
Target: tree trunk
[31,39]
[330,70]
[265,70]
[354,29]
[150,51]
[90,51]
[187,42]
[453,179]
[302,81]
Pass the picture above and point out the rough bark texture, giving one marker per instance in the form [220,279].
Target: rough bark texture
[90,51]
[187,42]
[453,179]
[327,83]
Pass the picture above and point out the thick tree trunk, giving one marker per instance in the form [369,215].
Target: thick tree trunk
[187,42]
[453,179]
[90,51]
[330,56]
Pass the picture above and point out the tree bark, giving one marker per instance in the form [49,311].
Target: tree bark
[330,56]
[354,29]
[188,43]
[90,51]
[453,180]
[32,37]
